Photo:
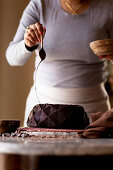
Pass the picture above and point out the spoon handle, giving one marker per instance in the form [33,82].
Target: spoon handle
[41,41]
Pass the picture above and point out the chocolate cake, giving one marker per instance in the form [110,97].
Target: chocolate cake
[58,116]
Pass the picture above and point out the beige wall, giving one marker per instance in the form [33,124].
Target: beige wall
[15,82]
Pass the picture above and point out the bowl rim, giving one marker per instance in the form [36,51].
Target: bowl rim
[9,120]
[102,40]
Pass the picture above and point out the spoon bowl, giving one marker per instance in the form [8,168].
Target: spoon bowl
[42,54]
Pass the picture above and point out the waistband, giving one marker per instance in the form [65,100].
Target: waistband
[70,95]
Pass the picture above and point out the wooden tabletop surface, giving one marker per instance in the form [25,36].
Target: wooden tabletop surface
[56,147]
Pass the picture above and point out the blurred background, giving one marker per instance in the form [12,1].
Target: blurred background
[15,82]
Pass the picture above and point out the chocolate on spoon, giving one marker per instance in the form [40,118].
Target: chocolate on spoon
[42,52]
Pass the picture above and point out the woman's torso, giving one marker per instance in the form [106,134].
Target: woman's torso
[70,62]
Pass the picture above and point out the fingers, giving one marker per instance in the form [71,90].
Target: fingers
[33,34]
[101,56]
[29,43]
[30,37]
[39,28]
[109,57]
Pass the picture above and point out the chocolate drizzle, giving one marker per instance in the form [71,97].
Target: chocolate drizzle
[42,55]
[35,81]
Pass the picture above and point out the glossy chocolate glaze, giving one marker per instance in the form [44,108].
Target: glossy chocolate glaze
[58,116]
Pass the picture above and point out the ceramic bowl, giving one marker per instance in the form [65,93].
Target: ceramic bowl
[9,126]
[102,47]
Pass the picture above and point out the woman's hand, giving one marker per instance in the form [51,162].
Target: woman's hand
[108,57]
[32,36]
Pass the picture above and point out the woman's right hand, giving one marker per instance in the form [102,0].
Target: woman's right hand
[33,33]
[108,57]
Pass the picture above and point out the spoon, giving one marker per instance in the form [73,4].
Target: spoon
[42,52]
[42,55]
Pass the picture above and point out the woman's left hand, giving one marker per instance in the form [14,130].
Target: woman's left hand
[108,57]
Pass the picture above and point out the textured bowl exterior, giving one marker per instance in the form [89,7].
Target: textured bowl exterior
[102,47]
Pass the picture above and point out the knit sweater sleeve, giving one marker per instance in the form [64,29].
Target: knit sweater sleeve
[16,53]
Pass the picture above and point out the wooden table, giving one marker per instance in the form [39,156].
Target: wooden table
[34,154]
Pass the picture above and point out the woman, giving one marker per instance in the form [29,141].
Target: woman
[71,73]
